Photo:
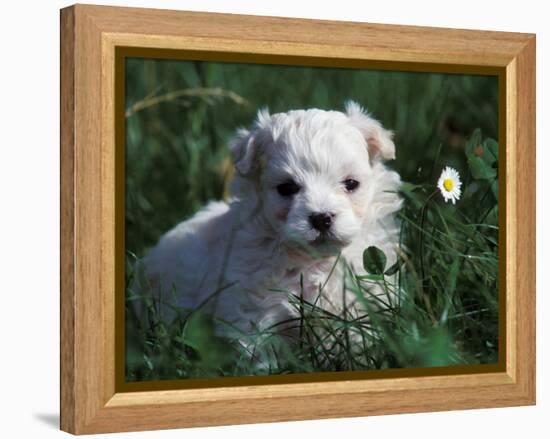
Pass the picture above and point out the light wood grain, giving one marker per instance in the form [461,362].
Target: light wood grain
[107,216]
[524,251]
[90,323]
[325,38]
[511,217]
[67,253]
[307,389]
[90,35]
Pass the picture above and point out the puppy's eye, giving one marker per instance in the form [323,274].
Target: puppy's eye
[288,188]
[350,184]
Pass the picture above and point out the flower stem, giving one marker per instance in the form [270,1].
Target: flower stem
[422,269]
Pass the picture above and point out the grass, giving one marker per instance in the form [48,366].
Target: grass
[179,118]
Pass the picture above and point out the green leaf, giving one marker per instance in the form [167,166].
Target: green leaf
[482,156]
[490,151]
[492,217]
[494,188]
[473,143]
[212,350]
[480,169]
[374,260]
[452,278]
[486,151]
[371,277]
[408,187]
[394,268]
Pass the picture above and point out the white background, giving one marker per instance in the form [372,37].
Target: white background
[29,219]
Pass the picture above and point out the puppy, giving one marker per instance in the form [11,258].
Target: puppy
[310,188]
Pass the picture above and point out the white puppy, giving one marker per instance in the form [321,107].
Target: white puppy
[309,185]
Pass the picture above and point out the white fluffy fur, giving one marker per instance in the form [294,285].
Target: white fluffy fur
[229,257]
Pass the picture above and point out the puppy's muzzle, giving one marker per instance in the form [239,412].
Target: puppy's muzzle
[321,221]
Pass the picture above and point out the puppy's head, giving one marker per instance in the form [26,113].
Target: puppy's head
[311,173]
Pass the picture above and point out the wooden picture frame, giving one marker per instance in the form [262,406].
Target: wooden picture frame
[91,40]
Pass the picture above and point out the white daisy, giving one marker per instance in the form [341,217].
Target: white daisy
[449,184]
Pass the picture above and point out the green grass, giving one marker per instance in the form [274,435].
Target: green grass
[180,117]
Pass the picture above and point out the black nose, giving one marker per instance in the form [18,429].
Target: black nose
[321,221]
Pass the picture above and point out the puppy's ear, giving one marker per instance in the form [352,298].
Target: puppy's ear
[243,149]
[379,140]
[247,145]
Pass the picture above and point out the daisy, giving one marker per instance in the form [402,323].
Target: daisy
[449,184]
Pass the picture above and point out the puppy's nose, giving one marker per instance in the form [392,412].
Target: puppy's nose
[321,221]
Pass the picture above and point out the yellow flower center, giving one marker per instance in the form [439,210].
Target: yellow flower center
[448,184]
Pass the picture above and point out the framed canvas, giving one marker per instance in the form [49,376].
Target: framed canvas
[268,219]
